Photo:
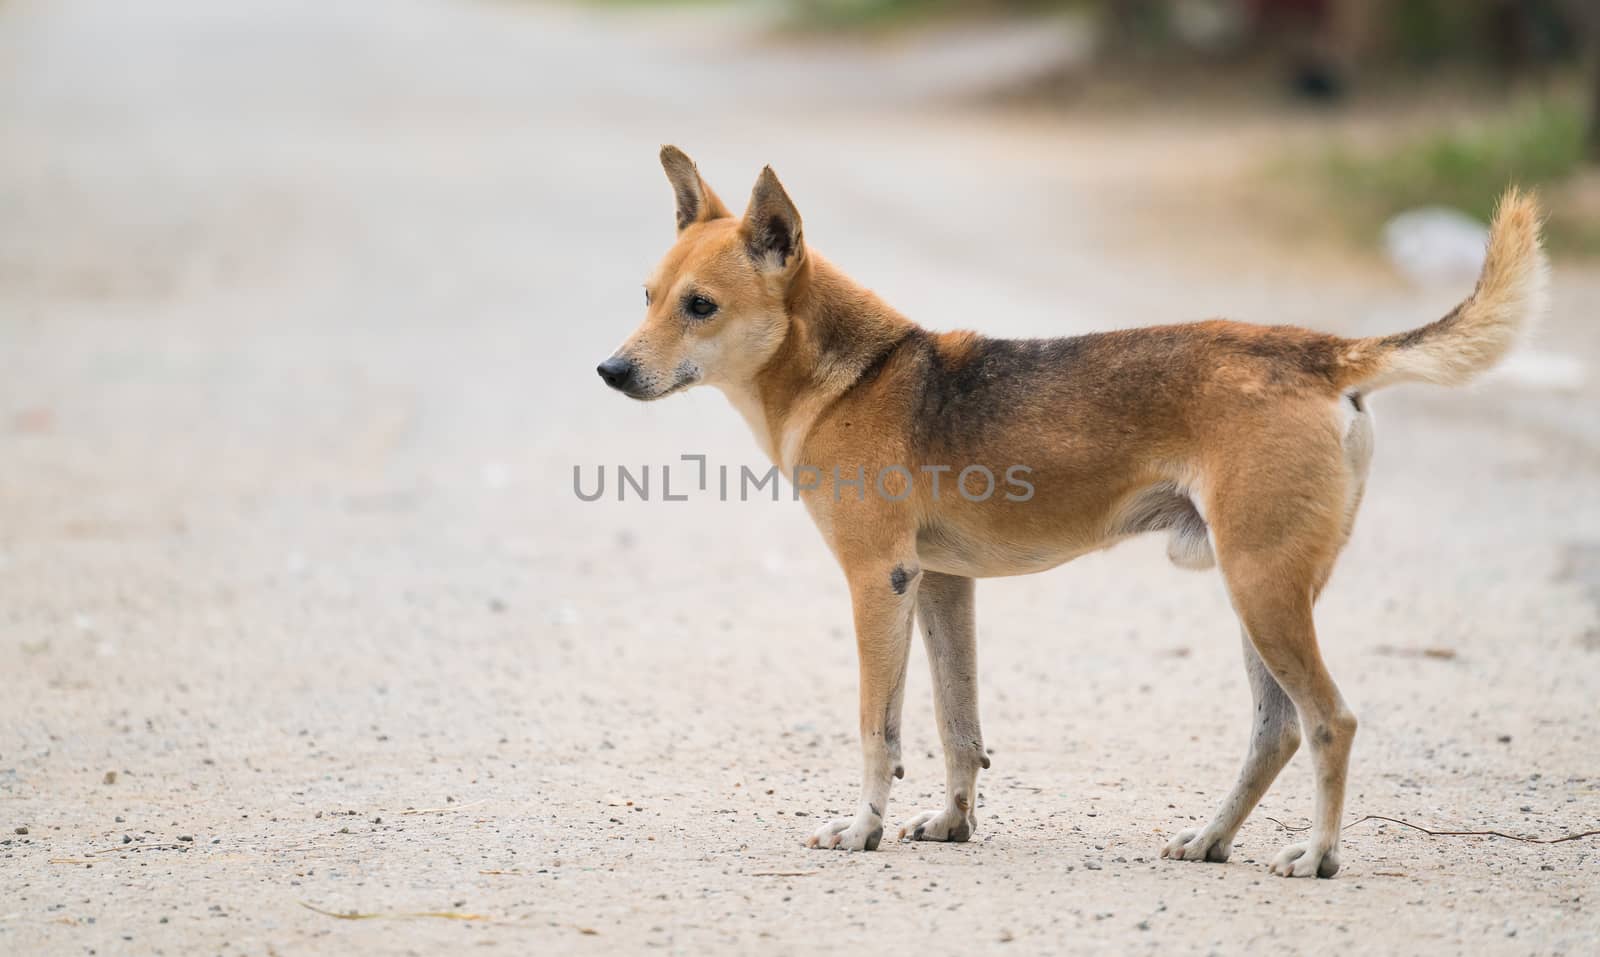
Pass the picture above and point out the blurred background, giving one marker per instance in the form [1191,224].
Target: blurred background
[300,304]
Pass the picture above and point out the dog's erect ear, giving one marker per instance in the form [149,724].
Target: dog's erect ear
[696,202]
[772,226]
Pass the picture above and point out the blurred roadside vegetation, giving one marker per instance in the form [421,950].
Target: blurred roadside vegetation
[1538,142]
[881,15]
[1522,78]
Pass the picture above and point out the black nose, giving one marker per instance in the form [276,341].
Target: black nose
[616,371]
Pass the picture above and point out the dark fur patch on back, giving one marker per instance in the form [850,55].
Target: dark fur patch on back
[969,385]
[973,382]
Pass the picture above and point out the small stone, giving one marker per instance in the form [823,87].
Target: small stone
[186,838]
[22,830]
[1504,739]
[110,778]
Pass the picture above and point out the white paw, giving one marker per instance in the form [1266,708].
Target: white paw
[1306,859]
[860,833]
[946,825]
[1194,845]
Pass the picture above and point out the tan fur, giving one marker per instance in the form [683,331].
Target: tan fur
[1248,445]
[1511,293]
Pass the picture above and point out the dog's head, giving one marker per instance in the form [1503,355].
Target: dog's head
[715,307]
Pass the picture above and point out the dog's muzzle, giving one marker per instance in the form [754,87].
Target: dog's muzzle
[617,373]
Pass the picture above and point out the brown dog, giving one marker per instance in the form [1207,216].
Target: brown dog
[1247,444]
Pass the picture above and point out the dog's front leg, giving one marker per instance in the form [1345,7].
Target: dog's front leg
[884,596]
[945,608]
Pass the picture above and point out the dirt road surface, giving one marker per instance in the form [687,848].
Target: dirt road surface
[299,309]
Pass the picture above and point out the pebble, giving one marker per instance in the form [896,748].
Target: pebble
[22,830]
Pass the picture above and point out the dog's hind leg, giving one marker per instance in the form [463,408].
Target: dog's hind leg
[945,608]
[1280,513]
[1278,621]
[1275,562]
[884,596]
[1274,736]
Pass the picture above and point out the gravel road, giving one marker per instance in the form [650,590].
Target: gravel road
[299,309]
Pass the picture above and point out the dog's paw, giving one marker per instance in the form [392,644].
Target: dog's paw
[946,825]
[1306,859]
[1198,846]
[860,833]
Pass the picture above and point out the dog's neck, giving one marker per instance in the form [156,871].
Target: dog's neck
[837,330]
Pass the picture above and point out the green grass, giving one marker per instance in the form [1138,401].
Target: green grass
[884,15]
[1536,144]
[867,14]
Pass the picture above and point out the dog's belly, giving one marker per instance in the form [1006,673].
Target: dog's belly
[954,552]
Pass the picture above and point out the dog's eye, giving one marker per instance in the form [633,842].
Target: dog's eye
[647,297]
[700,307]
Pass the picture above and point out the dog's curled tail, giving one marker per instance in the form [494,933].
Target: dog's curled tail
[1511,295]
